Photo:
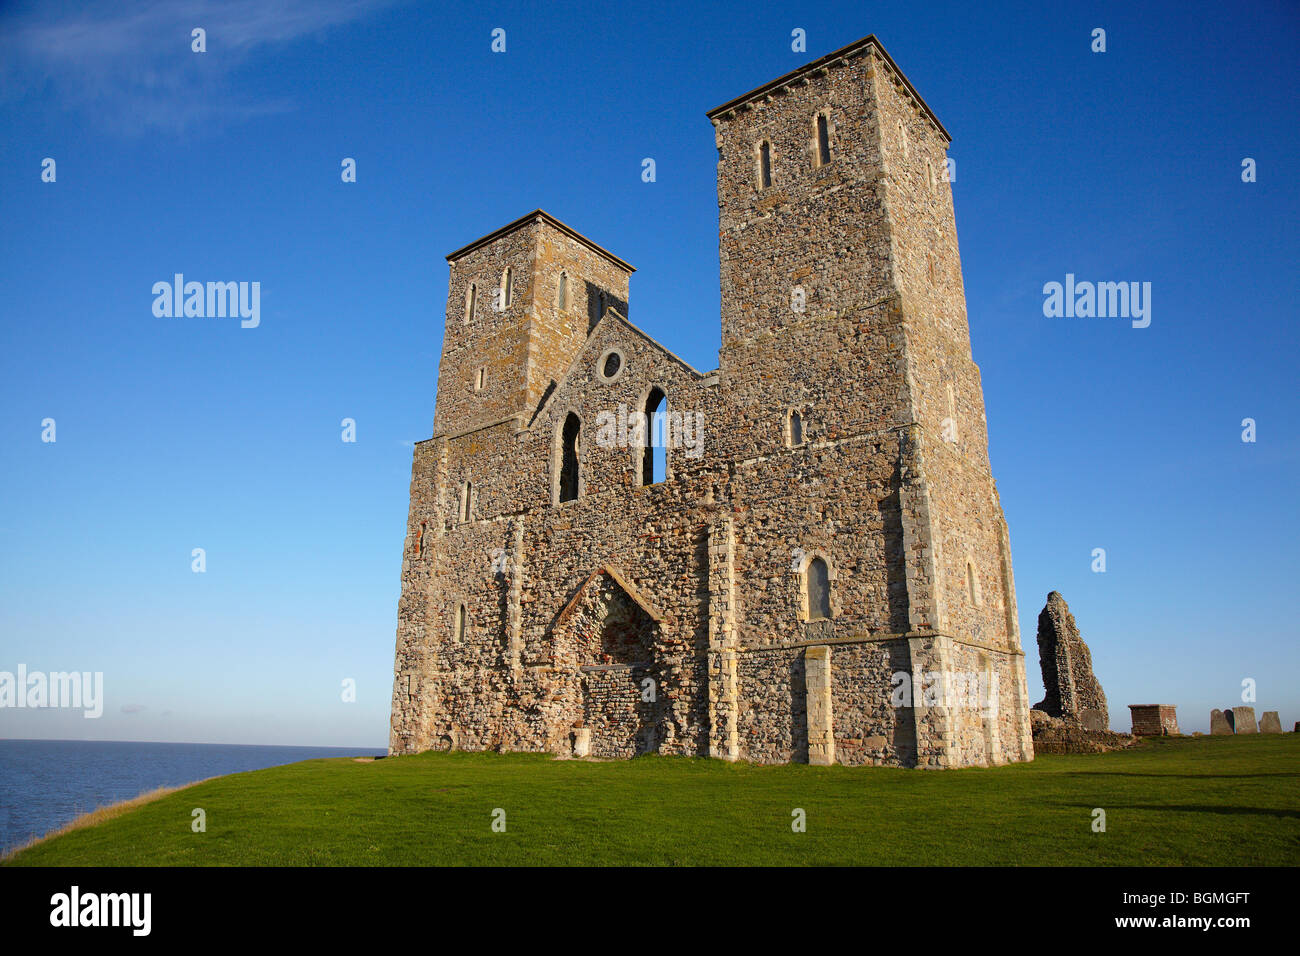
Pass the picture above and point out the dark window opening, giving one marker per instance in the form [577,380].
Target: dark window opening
[765,165]
[612,364]
[569,459]
[466,502]
[823,141]
[796,428]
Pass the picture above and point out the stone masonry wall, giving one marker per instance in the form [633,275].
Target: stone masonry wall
[841,301]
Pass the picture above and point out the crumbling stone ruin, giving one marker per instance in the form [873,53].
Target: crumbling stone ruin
[1270,723]
[812,554]
[1072,717]
[1073,691]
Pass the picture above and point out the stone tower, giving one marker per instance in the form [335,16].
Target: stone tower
[509,336]
[842,303]
[823,574]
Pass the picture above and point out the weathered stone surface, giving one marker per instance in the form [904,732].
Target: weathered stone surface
[1067,666]
[1154,720]
[1092,720]
[673,615]
[582,741]
[1053,735]
[1270,723]
[1243,720]
[1219,723]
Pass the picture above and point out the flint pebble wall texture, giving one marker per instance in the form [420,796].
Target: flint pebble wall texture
[675,616]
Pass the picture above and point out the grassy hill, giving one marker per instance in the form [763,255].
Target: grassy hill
[1181,801]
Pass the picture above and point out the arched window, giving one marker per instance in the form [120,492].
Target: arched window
[654,446]
[764,164]
[794,428]
[562,292]
[466,501]
[471,300]
[480,380]
[462,622]
[569,458]
[972,584]
[507,287]
[817,587]
[823,140]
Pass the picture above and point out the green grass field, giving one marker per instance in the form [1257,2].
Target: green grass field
[1213,801]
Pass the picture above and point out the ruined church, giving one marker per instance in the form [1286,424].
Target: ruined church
[807,558]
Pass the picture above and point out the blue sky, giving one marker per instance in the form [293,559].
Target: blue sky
[175,434]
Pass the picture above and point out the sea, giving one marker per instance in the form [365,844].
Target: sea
[47,783]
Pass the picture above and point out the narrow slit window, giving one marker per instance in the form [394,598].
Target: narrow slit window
[764,165]
[972,584]
[795,431]
[818,585]
[471,300]
[562,292]
[507,288]
[462,622]
[480,380]
[823,140]
[569,458]
[466,501]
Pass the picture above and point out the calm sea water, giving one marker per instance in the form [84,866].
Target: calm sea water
[46,783]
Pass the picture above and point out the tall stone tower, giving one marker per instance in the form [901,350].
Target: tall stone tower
[844,327]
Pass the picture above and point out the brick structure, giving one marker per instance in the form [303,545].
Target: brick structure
[1154,720]
[817,568]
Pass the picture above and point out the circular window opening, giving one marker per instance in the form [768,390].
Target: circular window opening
[610,365]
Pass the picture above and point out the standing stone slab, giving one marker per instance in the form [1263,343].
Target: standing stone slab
[821,735]
[1219,723]
[1269,723]
[1067,667]
[1243,720]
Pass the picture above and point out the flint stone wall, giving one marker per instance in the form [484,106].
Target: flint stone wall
[711,561]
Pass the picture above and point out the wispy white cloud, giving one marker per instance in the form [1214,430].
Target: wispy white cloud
[130,66]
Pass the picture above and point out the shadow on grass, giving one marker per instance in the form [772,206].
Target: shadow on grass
[1179,776]
[1184,808]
